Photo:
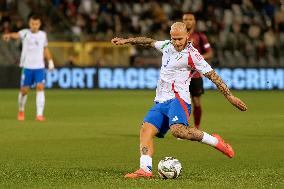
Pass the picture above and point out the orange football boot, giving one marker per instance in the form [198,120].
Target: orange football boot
[223,147]
[40,118]
[140,173]
[21,116]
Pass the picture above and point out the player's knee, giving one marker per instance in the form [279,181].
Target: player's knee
[197,104]
[24,90]
[177,130]
[40,87]
[196,101]
[183,132]
[143,129]
[148,129]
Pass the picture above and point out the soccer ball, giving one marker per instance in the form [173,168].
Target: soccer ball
[169,168]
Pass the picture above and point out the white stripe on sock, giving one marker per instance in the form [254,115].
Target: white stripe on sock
[208,139]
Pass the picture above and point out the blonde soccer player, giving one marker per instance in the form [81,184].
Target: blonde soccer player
[172,106]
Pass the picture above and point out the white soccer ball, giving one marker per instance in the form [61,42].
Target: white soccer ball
[169,168]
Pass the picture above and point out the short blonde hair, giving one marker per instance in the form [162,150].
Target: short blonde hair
[179,26]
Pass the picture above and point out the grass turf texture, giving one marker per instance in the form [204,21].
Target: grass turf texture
[90,140]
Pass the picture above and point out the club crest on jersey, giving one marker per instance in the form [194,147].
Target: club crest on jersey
[178,57]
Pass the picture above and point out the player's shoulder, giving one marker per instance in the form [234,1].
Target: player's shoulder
[162,44]
[166,44]
[42,32]
[24,33]
[191,47]
[24,30]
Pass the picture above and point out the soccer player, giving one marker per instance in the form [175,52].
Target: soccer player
[34,50]
[172,102]
[200,42]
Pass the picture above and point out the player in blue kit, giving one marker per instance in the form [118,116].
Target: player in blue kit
[172,102]
[34,50]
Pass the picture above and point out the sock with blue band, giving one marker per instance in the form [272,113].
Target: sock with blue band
[146,163]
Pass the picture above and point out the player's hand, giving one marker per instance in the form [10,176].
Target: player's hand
[119,41]
[6,37]
[50,65]
[237,103]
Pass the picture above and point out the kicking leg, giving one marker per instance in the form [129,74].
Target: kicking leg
[147,134]
[191,133]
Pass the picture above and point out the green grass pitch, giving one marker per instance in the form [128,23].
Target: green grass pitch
[90,140]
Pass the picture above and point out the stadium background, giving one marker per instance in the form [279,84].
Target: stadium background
[90,138]
[244,34]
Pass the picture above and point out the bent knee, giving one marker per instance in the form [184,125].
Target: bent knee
[40,87]
[24,90]
[183,132]
[196,101]
[148,129]
[177,130]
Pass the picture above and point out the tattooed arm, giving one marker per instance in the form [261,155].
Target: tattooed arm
[142,41]
[214,77]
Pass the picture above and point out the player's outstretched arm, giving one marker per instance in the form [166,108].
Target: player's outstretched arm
[142,41]
[214,77]
[8,36]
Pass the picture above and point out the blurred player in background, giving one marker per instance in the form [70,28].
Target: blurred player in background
[200,42]
[172,102]
[34,50]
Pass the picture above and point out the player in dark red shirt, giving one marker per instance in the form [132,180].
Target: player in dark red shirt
[201,43]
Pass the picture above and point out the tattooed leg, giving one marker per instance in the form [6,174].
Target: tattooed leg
[192,133]
[147,133]
[214,140]
[189,133]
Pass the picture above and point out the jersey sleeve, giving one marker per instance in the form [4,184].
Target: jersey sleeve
[198,63]
[206,44]
[160,45]
[23,33]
